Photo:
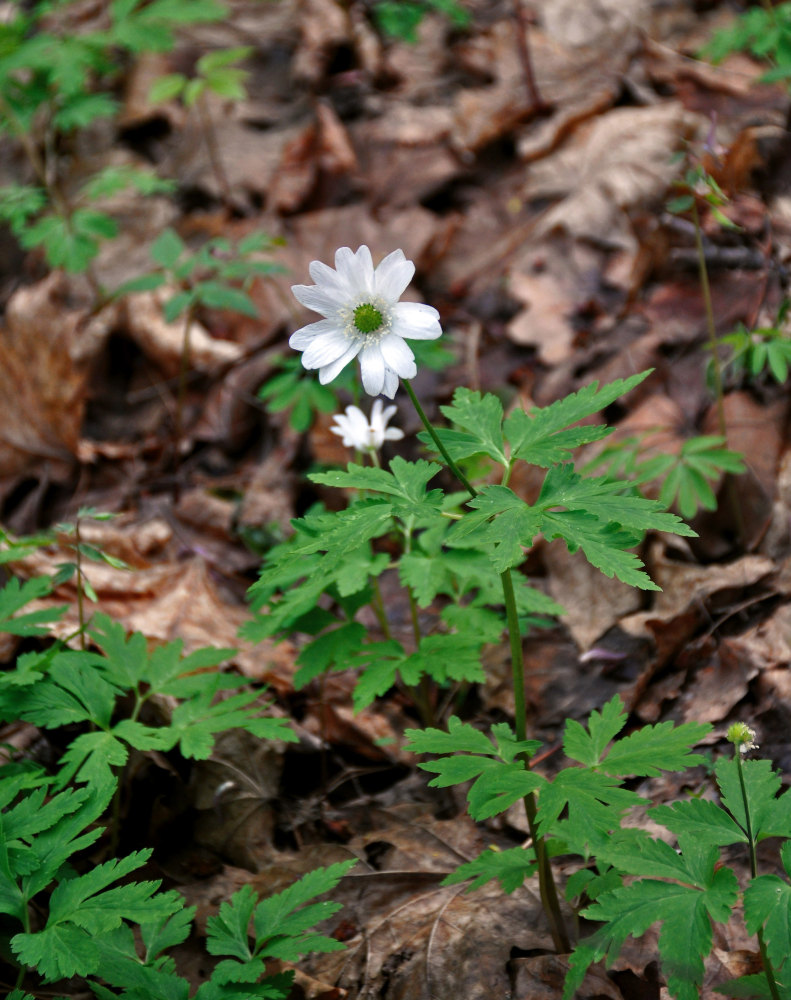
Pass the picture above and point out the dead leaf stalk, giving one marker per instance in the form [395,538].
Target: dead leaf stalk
[719,393]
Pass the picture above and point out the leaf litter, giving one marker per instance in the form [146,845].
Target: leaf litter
[544,240]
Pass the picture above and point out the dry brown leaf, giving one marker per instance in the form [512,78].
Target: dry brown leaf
[621,163]
[46,350]
[163,342]
[542,977]
[593,603]
[592,25]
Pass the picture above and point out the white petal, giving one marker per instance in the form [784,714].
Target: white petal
[389,413]
[393,275]
[319,299]
[329,279]
[376,413]
[342,430]
[390,387]
[300,339]
[358,424]
[356,269]
[398,356]
[393,434]
[372,368]
[324,350]
[416,321]
[330,371]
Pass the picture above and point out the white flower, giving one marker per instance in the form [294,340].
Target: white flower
[363,434]
[742,736]
[363,317]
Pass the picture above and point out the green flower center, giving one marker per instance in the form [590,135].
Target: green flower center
[367,318]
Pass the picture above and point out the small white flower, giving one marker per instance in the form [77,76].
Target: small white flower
[363,317]
[358,432]
[742,736]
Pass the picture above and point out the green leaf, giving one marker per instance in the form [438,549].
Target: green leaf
[652,749]
[604,726]
[461,737]
[195,722]
[405,482]
[497,786]
[510,868]
[218,296]
[543,436]
[228,930]
[167,248]
[685,914]
[604,545]
[604,499]
[221,58]
[281,923]
[502,521]
[769,815]
[702,819]
[166,88]
[767,905]
[594,802]
[481,420]
[334,648]
[15,595]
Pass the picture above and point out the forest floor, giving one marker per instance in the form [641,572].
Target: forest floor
[543,238]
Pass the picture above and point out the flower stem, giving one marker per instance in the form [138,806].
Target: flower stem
[546,880]
[768,970]
[440,446]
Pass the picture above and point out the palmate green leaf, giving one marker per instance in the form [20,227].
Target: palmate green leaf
[282,926]
[59,952]
[91,757]
[501,521]
[700,818]
[73,691]
[378,664]
[292,912]
[770,816]
[767,905]
[686,936]
[228,930]
[88,902]
[510,868]
[72,833]
[595,804]
[461,737]
[652,749]
[15,595]
[587,747]
[543,436]
[355,572]
[121,966]
[405,483]
[604,545]
[195,722]
[444,657]
[481,421]
[604,499]
[334,648]
[496,787]
[84,908]
[216,295]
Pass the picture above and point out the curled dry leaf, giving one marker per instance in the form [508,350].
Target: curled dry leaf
[46,349]
[163,342]
[618,165]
